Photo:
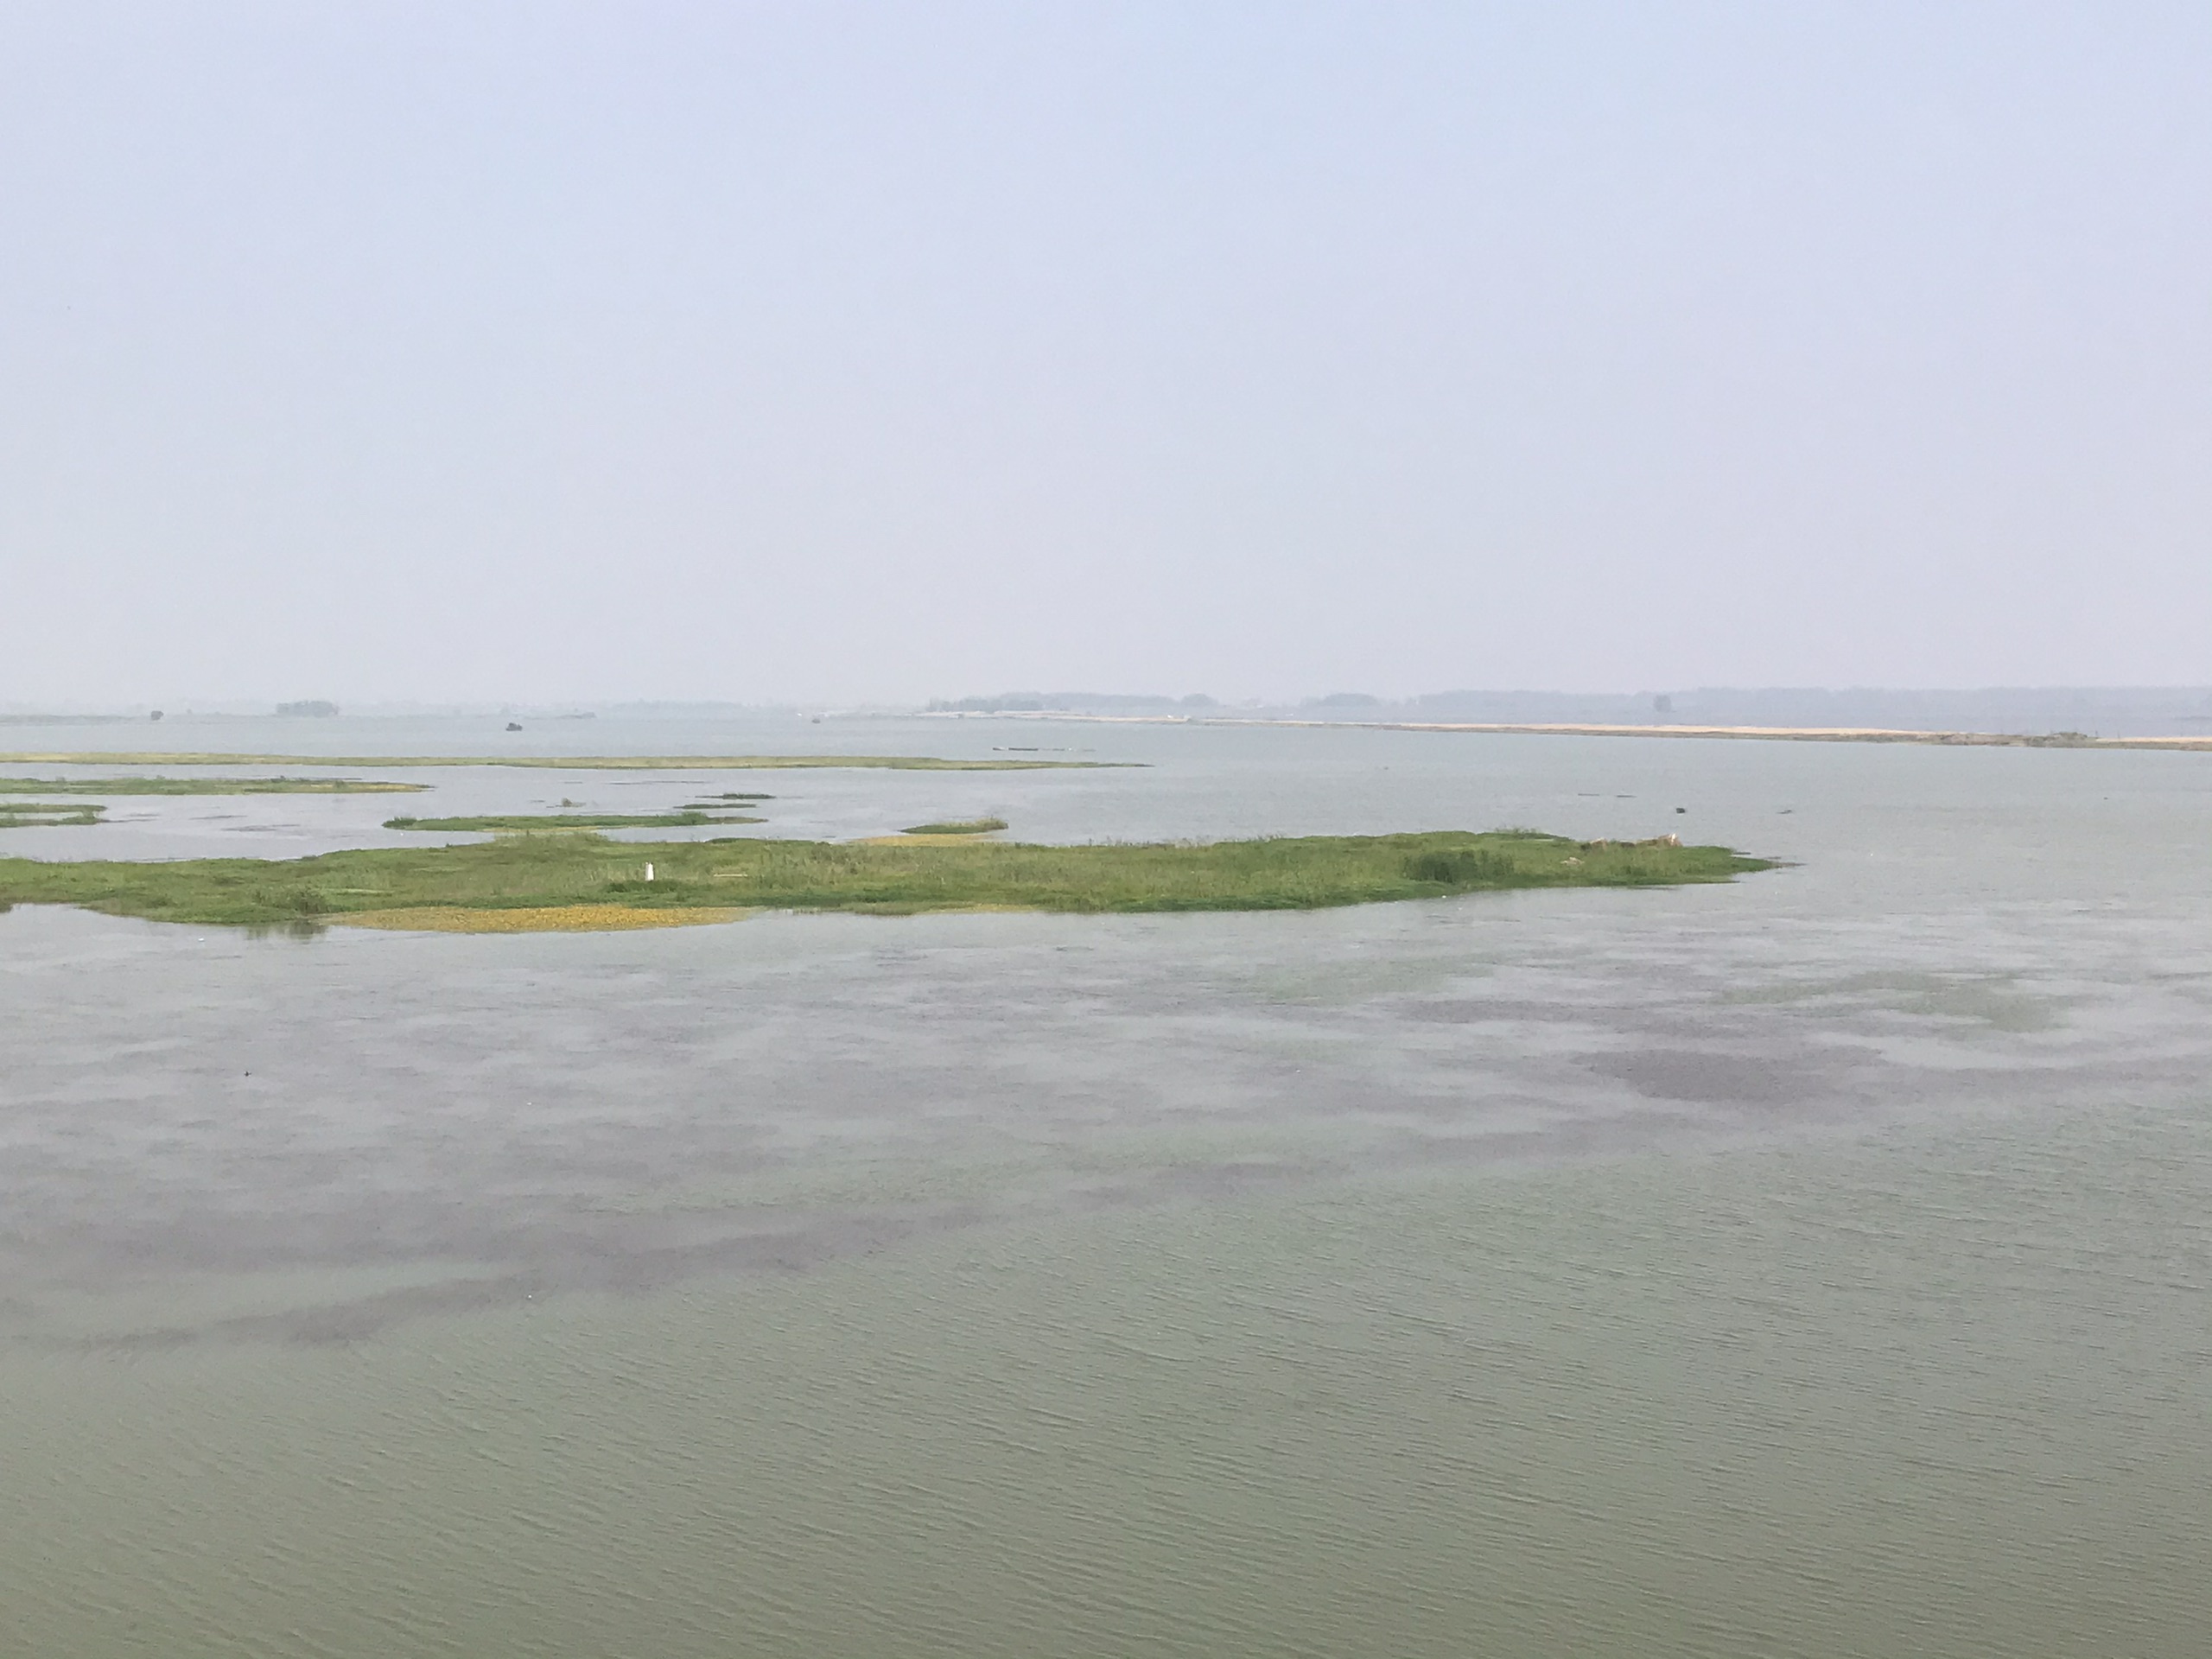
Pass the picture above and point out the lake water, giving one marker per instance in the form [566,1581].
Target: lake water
[1818,1265]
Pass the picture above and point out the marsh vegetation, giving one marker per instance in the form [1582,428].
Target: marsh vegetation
[957,827]
[522,823]
[36,815]
[551,874]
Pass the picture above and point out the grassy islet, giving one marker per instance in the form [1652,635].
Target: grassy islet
[524,824]
[38,815]
[550,873]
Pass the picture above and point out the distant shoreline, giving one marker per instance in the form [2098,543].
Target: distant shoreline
[567,763]
[1762,734]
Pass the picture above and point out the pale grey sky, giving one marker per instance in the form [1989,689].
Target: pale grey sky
[827,351]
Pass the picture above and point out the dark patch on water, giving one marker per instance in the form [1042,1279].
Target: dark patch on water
[1722,1079]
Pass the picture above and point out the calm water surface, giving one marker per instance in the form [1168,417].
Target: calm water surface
[1820,1265]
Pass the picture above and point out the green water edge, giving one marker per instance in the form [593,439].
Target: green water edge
[546,871]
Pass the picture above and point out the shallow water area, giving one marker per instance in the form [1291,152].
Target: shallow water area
[1814,1265]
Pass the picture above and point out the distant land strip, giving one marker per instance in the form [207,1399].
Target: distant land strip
[566,762]
[143,785]
[1766,734]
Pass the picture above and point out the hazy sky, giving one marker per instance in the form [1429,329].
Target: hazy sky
[818,351]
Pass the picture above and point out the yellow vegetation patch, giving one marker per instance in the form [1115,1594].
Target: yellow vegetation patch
[556,918]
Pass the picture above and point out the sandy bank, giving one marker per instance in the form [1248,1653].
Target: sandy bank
[1770,733]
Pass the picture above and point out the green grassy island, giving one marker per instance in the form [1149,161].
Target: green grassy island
[581,881]
[524,823]
[957,827]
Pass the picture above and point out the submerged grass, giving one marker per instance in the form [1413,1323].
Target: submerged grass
[33,815]
[574,762]
[524,824]
[571,872]
[201,785]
